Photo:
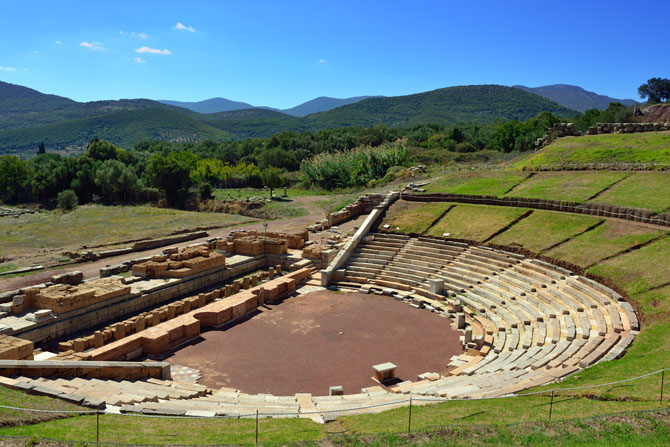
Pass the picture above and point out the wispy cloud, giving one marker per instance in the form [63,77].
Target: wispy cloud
[134,34]
[322,61]
[139,60]
[153,50]
[96,46]
[181,27]
[37,52]
[58,42]
[7,68]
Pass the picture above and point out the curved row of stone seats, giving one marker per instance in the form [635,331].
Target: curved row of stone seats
[107,392]
[547,321]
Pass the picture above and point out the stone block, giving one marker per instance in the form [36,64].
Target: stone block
[336,390]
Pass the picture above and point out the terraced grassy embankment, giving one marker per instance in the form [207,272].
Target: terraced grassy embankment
[633,148]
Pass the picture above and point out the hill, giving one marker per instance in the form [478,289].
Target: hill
[212,105]
[124,129]
[28,117]
[24,107]
[451,105]
[321,104]
[574,97]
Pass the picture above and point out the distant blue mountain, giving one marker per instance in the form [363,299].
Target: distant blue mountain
[212,105]
[216,105]
[574,97]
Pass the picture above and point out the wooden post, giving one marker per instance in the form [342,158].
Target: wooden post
[256,427]
[97,427]
[409,422]
[662,382]
[551,405]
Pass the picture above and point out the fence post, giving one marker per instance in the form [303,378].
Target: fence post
[257,427]
[97,427]
[409,422]
[662,381]
[551,405]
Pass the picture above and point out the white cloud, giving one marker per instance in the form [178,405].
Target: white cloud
[322,61]
[7,68]
[139,60]
[181,27]
[97,46]
[153,51]
[134,34]
[58,42]
[37,52]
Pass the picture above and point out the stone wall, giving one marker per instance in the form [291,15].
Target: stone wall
[119,307]
[12,348]
[601,128]
[363,205]
[593,209]
[92,370]
[560,130]
[180,263]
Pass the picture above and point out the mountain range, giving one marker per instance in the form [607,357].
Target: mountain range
[215,105]
[574,97]
[28,117]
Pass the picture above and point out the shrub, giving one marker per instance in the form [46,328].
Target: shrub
[67,200]
[352,168]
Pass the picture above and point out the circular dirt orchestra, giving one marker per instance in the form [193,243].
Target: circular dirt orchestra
[312,341]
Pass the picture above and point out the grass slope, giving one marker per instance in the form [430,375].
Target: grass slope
[493,183]
[566,186]
[640,190]
[556,227]
[476,222]
[645,147]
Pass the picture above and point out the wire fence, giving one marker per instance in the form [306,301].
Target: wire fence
[409,415]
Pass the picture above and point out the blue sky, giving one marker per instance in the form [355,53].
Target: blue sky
[282,53]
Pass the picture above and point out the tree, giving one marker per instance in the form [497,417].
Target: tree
[656,89]
[67,200]
[116,181]
[14,179]
[271,177]
[101,150]
[171,176]
[41,149]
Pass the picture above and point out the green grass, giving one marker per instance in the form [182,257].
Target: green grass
[543,229]
[475,222]
[568,186]
[640,190]
[608,239]
[494,183]
[641,269]
[414,217]
[645,147]
[41,237]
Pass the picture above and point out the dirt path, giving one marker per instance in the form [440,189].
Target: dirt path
[92,269]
